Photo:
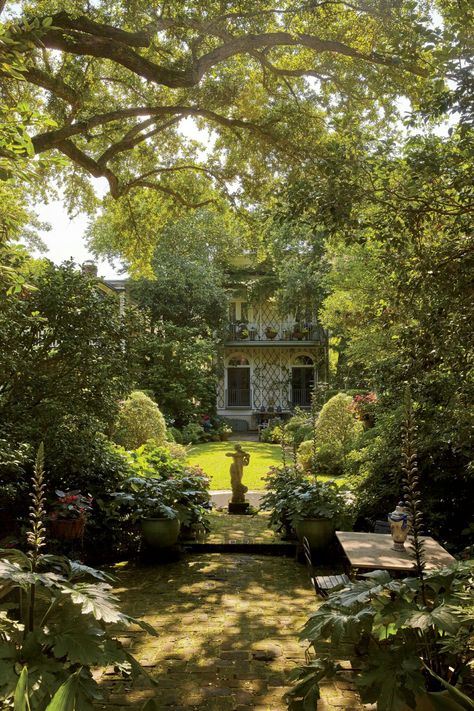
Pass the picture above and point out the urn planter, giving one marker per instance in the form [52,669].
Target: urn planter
[68,529]
[318,531]
[160,532]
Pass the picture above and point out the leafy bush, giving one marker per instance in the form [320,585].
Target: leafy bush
[299,428]
[336,432]
[15,462]
[139,420]
[404,639]
[177,451]
[174,435]
[305,455]
[55,624]
[273,433]
[280,485]
[318,500]
[193,433]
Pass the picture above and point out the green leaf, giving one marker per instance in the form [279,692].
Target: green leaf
[97,600]
[80,647]
[20,700]
[16,556]
[65,697]
[456,696]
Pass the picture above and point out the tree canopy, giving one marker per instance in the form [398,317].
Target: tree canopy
[113,82]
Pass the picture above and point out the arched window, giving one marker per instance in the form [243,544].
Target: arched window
[237,361]
[303,360]
[238,381]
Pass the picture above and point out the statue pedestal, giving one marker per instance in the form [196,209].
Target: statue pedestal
[241,508]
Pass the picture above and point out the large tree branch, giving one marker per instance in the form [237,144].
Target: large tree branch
[99,40]
[50,139]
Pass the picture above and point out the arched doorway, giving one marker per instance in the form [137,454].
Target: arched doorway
[238,382]
[302,381]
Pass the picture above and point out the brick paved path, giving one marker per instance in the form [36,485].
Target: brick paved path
[227,628]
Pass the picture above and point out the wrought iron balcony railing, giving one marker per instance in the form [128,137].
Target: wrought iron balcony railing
[275,332]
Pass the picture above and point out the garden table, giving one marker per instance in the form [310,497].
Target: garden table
[374,551]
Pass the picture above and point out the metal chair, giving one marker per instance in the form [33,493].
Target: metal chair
[382,526]
[322,584]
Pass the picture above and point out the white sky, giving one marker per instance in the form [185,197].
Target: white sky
[65,239]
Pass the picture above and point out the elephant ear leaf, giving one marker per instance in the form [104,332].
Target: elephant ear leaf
[65,697]
[20,700]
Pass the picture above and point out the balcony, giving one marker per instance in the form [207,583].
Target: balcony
[279,334]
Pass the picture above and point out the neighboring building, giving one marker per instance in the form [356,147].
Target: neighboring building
[270,363]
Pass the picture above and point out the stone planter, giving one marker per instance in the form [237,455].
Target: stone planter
[160,532]
[224,436]
[318,531]
[68,529]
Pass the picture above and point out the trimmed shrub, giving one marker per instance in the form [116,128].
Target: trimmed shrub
[177,451]
[174,435]
[305,451]
[193,433]
[337,426]
[139,421]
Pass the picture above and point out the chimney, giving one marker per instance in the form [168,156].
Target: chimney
[89,267]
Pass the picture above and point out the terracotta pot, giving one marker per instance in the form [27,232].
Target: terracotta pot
[318,531]
[160,532]
[68,529]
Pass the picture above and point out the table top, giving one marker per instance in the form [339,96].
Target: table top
[375,551]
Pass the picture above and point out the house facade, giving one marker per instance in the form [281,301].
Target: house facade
[270,363]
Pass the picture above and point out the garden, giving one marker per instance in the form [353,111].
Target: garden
[285,195]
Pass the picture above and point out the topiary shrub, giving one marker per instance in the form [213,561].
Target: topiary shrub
[336,432]
[139,421]
[174,435]
[305,451]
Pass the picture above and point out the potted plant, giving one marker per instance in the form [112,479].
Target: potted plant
[225,430]
[280,484]
[68,514]
[149,502]
[299,331]
[243,331]
[316,509]
[271,332]
[253,332]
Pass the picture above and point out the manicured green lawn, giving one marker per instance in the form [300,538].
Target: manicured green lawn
[211,458]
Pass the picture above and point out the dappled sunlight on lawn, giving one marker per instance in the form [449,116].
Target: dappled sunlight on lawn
[211,457]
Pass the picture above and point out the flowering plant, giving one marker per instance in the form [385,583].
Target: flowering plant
[364,405]
[70,505]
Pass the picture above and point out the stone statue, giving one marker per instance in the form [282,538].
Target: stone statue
[241,460]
